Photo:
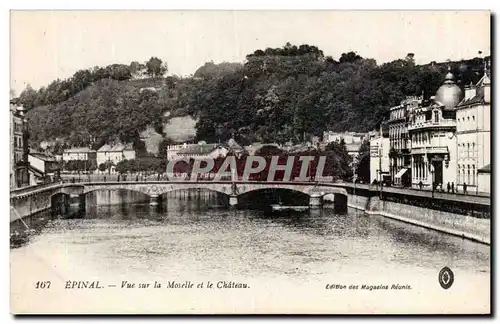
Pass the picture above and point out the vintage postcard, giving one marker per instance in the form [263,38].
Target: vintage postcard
[250,162]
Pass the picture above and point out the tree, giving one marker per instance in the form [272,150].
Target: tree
[269,150]
[163,148]
[211,70]
[122,167]
[279,95]
[363,167]
[102,167]
[28,98]
[155,67]
[410,58]
[338,162]
[349,57]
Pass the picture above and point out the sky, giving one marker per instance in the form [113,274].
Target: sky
[46,45]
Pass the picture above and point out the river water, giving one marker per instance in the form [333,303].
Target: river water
[286,261]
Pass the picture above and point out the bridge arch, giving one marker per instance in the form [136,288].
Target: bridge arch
[59,202]
[263,189]
[97,189]
[261,196]
[200,187]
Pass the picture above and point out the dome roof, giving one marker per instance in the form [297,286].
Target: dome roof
[449,94]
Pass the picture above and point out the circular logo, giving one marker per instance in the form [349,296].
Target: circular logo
[446,278]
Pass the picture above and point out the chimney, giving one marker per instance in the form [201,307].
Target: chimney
[487,93]
[487,82]
[470,91]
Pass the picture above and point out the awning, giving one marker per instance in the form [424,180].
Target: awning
[485,169]
[400,173]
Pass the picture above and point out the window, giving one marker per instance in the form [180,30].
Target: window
[436,116]
[473,118]
[473,175]
[468,174]
[468,149]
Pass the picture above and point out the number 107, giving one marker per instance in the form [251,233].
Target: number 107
[42,285]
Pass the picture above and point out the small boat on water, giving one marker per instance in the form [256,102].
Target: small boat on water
[280,207]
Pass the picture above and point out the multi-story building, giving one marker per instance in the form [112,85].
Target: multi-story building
[43,165]
[473,136]
[399,141]
[115,153]
[173,149]
[379,155]
[203,150]
[431,129]
[19,165]
[78,153]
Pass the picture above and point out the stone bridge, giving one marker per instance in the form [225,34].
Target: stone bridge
[29,201]
[154,189]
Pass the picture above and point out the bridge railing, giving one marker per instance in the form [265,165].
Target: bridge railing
[32,188]
[156,178]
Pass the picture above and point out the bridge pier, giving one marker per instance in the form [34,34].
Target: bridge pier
[315,200]
[233,201]
[154,200]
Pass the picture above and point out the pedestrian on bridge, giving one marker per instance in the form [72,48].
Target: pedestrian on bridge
[448,187]
[453,187]
[465,188]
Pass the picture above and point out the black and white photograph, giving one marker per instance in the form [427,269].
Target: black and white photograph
[250,162]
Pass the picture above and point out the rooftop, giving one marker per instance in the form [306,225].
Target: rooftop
[44,157]
[478,98]
[115,148]
[78,150]
[198,149]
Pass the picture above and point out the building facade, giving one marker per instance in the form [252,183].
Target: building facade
[173,149]
[473,136]
[115,153]
[43,165]
[484,179]
[379,157]
[432,132]
[78,153]
[203,151]
[19,164]
[399,141]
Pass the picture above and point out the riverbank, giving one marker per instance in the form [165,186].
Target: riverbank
[469,227]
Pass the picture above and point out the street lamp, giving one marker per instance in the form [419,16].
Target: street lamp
[23,164]
[380,169]
[354,176]
[431,166]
